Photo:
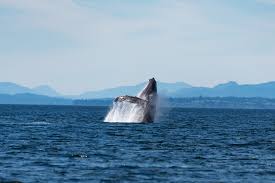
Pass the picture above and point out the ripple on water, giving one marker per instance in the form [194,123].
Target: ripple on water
[72,144]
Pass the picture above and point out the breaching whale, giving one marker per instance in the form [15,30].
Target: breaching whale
[140,108]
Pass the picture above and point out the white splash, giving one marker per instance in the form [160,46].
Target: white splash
[125,112]
[135,112]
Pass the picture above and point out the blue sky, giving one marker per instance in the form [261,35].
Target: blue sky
[82,45]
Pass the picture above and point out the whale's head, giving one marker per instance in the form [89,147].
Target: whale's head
[150,91]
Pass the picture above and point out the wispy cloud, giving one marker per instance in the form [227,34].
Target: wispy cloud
[180,39]
[92,23]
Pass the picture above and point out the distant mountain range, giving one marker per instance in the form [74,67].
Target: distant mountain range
[183,90]
[164,88]
[180,94]
[12,89]
[170,90]
[230,89]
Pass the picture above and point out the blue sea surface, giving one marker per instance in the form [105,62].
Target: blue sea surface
[73,144]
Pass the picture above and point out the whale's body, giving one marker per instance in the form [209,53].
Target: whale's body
[140,108]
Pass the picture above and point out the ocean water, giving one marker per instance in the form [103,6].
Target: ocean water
[73,144]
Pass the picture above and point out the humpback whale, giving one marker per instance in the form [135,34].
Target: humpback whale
[140,108]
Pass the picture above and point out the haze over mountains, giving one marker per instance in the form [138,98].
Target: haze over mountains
[12,89]
[174,90]
[230,89]
[164,88]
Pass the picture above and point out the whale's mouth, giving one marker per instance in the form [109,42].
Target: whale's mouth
[140,108]
[131,99]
